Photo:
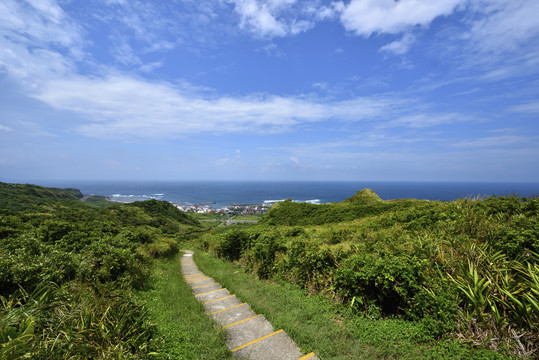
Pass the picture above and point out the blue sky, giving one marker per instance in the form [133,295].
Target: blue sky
[408,90]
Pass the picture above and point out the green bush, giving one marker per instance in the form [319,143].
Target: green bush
[262,254]
[231,245]
[385,283]
[308,265]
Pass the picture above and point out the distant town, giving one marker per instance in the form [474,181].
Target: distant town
[232,209]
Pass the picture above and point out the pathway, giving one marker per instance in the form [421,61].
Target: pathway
[249,336]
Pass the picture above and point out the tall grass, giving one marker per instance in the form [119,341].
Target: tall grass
[75,321]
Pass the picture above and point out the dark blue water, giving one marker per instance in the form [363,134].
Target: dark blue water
[228,192]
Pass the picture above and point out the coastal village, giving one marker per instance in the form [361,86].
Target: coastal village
[232,209]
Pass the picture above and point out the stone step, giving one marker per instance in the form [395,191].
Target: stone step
[211,295]
[200,282]
[207,287]
[222,305]
[244,332]
[231,316]
[276,345]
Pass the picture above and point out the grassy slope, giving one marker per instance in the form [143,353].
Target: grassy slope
[19,197]
[329,330]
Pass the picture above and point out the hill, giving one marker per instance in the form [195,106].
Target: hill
[34,197]
[68,271]
[365,197]
[364,203]
[466,269]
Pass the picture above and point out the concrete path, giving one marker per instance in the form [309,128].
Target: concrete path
[249,336]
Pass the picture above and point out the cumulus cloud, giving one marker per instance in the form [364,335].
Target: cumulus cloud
[258,17]
[366,17]
[278,18]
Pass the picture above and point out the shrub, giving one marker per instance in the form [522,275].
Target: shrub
[308,265]
[387,283]
[231,245]
[263,253]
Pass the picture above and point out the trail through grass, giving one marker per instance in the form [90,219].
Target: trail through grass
[184,331]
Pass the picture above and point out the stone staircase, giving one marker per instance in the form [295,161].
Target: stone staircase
[249,335]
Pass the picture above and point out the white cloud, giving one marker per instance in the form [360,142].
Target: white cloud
[38,23]
[321,85]
[278,18]
[528,108]
[151,66]
[5,128]
[424,119]
[37,40]
[496,39]
[123,52]
[258,17]
[501,141]
[273,50]
[366,17]
[504,25]
[229,160]
[134,107]
[401,46]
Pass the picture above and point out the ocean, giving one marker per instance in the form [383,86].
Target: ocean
[223,193]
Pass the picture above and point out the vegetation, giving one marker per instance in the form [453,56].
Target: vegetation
[99,201]
[68,271]
[464,270]
[426,279]
[248,217]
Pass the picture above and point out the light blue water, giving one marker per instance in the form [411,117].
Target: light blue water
[228,192]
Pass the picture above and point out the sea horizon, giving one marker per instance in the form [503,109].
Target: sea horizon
[225,192]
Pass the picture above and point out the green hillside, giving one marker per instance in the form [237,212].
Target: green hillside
[33,197]
[363,204]
[463,270]
[68,270]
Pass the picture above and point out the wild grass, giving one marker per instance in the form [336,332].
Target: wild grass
[73,322]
